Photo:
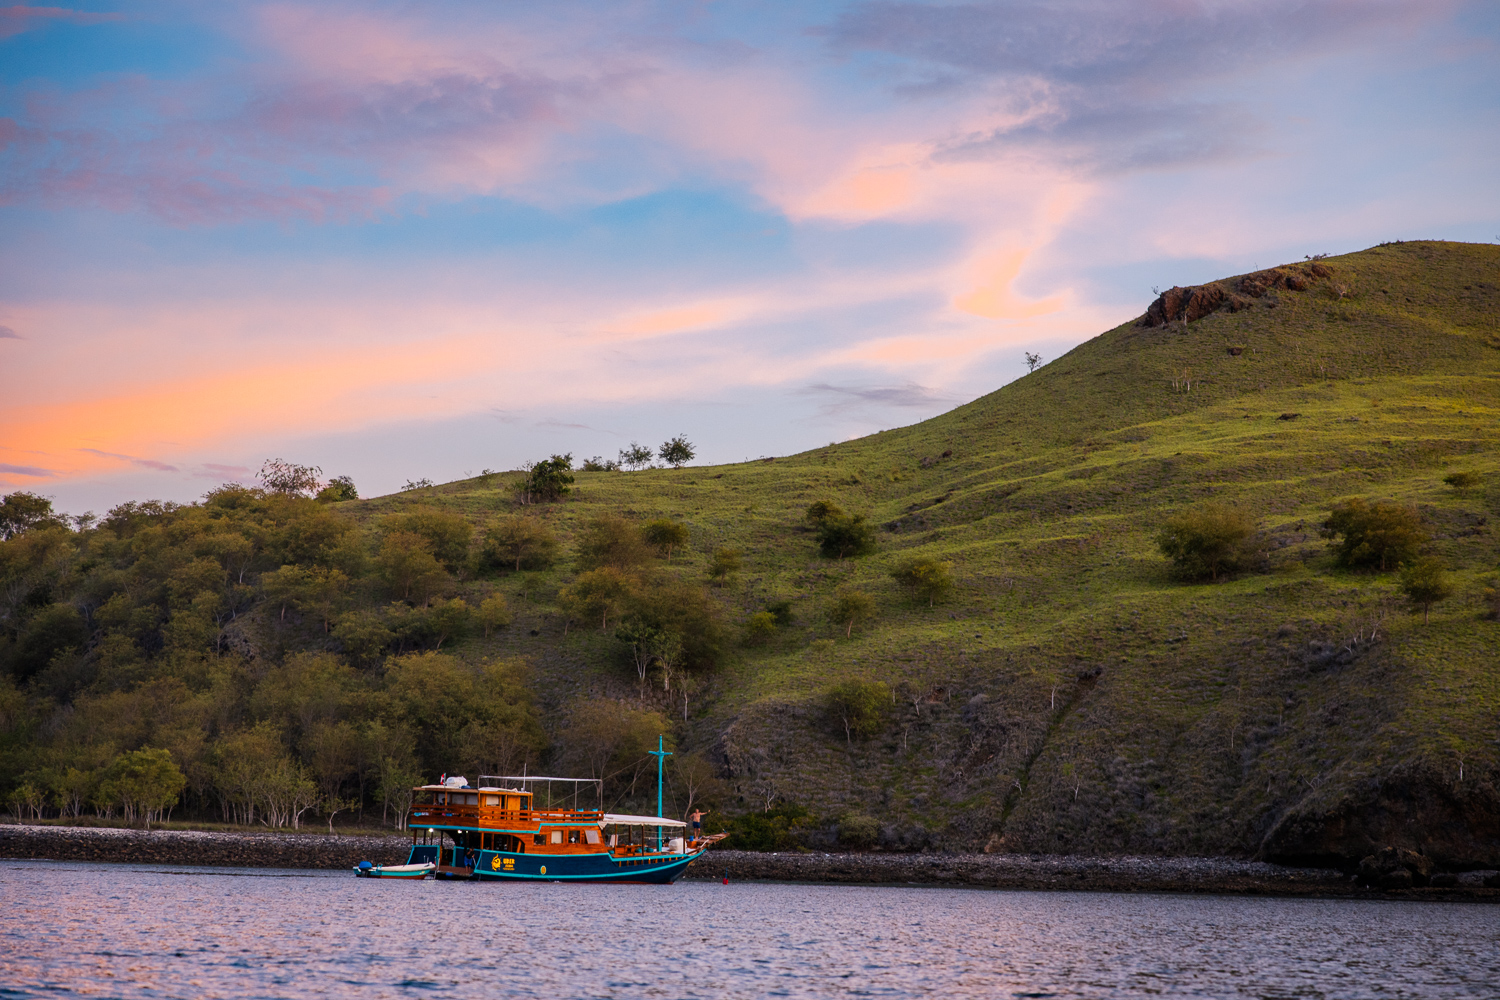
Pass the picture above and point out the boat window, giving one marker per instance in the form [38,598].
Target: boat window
[590,836]
[572,836]
[538,838]
[492,800]
[557,836]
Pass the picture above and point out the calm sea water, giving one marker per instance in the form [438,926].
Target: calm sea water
[143,931]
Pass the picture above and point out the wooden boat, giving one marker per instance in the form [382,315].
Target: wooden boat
[409,871]
[497,830]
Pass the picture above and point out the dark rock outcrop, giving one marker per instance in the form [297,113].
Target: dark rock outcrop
[1181,304]
[1396,868]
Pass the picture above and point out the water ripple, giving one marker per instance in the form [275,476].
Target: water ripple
[137,931]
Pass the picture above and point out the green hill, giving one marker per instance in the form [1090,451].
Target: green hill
[1071,693]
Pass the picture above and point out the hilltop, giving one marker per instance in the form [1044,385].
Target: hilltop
[1072,695]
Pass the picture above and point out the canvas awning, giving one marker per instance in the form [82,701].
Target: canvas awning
[619,820]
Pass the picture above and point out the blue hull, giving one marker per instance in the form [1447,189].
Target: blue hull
[504,866]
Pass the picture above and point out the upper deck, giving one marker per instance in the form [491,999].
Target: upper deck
[493,817]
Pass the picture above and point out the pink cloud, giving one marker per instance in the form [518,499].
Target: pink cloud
[19,17]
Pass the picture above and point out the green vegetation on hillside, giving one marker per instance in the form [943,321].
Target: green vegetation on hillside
[1068,688]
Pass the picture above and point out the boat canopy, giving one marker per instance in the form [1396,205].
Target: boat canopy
[618,820]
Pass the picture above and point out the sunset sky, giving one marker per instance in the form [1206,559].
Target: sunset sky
[424,239]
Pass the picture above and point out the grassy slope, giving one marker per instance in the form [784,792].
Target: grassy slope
[1252,716]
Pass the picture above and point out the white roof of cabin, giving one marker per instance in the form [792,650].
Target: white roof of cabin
[640,820]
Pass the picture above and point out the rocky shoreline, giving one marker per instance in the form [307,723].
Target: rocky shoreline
[996,871]
[193,847]
[1059,872]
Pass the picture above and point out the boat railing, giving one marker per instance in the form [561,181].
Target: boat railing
[427,812]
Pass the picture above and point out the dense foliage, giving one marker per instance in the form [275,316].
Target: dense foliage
[261,656]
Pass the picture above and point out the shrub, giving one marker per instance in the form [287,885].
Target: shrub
[493,613]
[666,535]
[1461,480]
[773,830]
[860,707]
[1425,583]
[1207,541]
[546,480]
[611,541]
[600,593]
[1377,534]
[840,534]
[723,566]
[448,535]
[759,628]
[339,488]
[600,464]
[926,579]
[849,608]
[859,830]
[519,542]
[782,611]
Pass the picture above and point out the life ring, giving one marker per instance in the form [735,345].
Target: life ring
[544,869]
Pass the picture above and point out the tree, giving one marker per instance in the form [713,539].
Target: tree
[364,635]
[144,782]
[698,778]
[608,739]
[598,593]
[1207,540]
[1373,534]
[1033,362]
[408,566]
[600,464]
[22,511]
[289,478]
[545,481]
[525,542]
[665,534]
[724,564]
[493,613]
[339,489]
[849,608]
[676,451]
[1425,582]
[448,619]
[611,541]
[49,631]
[448,535]
[861,707]
[334,751]
[666,648]
[284,587]
[324,591]
[925,578]
[637,456]
[640,637]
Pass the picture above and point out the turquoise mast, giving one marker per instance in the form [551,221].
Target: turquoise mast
[661,756]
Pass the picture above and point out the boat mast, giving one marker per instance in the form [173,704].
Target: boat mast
[661,756]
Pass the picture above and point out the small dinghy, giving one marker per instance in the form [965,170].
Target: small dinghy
[367,870]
